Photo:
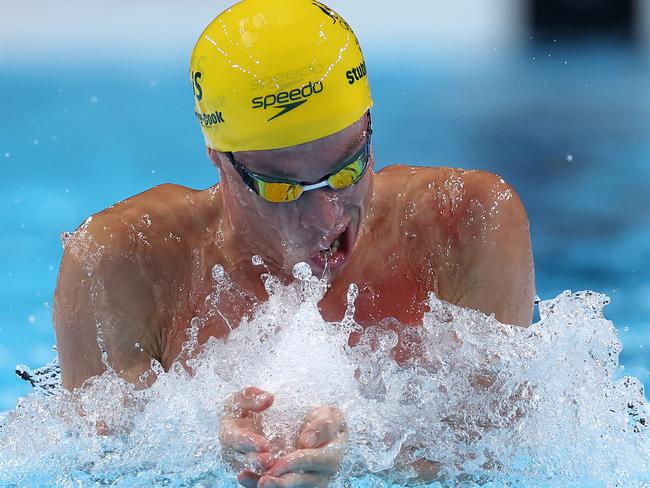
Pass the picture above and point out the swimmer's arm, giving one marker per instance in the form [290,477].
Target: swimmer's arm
[495,272]
[101,286]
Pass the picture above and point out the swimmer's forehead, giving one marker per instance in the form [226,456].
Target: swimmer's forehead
[309,161]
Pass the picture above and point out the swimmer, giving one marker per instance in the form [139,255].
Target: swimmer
[282,96]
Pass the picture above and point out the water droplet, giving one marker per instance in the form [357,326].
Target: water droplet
[94,99]
[302,271]
[569,158]
[65,237]
[353,293]
[257,260]
[218,273]
[7,155]
[271,283]
[156,367]
[31,319]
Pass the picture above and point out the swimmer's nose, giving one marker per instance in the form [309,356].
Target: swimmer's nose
[322,210]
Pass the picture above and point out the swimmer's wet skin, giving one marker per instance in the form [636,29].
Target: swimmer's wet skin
[282,96]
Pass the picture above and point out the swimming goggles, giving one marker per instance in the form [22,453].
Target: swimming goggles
[280,190]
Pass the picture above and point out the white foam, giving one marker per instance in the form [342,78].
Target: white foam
[536,406]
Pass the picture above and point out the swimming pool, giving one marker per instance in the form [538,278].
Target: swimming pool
[566,125]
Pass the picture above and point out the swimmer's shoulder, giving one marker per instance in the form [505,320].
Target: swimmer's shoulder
[156,221]
[463,202]
[413,176]
[404,185]
[473,229]
[451,191]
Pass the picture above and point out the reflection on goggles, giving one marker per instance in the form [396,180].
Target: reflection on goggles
[279,190]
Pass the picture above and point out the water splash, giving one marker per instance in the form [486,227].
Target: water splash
[492,403]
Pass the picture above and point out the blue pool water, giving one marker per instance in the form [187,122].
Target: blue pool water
[568,126]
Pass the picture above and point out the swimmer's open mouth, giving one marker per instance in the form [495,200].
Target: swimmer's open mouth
[333,247]
[336,253]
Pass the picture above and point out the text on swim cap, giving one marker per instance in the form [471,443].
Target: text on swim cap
[355,74]
[198,91]
[210,119]
[333,15]
[288,100]
[287,78]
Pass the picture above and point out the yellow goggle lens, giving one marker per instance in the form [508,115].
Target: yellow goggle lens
[348,175]
[278,192]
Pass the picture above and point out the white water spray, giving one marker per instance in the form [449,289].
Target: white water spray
[491,403]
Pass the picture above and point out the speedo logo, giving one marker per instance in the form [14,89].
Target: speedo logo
[286,101]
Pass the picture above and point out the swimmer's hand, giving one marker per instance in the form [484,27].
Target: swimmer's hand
[320,446]
[241,436]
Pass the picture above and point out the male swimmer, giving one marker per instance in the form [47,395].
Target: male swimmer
[283,99]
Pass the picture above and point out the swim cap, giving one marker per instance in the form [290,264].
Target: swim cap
[275,73]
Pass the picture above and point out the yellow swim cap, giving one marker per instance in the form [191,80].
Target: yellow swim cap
[275,73]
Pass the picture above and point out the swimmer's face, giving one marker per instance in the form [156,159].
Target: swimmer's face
[287,233]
